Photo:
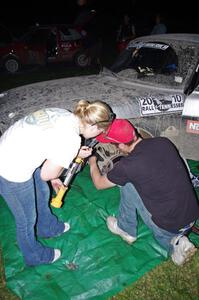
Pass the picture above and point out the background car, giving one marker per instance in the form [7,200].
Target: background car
[153,83]
[121,44]
[41,45]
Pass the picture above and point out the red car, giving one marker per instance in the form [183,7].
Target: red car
[42,44]
[122,44]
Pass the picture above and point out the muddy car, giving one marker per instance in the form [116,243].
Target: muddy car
[153,83]
[41,45]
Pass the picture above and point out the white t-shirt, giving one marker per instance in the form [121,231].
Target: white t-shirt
[50,133]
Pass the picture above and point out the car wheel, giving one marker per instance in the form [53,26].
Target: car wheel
[82,60]
[11,65]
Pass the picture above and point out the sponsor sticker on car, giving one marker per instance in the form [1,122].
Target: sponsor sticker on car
[155,105]
[139,45]
[192,126]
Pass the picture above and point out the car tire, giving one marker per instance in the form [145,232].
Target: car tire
[82,60]
[12,65]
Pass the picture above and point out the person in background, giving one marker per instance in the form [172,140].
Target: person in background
[159,26]
[154,182]
[86,23]
[33,152]
[84,14]
[125,33]
[126,29]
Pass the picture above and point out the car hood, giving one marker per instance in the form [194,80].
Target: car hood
[123,96]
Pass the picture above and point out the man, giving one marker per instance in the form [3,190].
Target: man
[154,182]
[86,22]
[159,27]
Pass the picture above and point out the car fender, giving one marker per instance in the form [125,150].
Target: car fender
[191,106]
[7,56]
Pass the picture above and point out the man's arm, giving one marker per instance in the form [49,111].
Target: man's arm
[100,181]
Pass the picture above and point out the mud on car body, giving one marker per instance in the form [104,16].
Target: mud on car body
[153,83]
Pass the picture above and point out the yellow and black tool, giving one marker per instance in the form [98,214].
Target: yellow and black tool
[74,167]
[57,200]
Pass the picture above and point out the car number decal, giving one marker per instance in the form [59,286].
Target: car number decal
[155,105]
[66,46]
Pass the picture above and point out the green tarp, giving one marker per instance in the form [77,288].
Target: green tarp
[95,264]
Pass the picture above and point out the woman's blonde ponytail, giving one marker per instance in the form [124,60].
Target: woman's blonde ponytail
[94,112]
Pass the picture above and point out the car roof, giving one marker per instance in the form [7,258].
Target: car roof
[51,26]
[184,37]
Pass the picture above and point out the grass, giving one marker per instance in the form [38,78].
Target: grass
[166,281]
[5,294]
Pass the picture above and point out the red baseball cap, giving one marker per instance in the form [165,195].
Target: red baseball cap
[120,131]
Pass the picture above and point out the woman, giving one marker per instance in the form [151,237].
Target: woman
[125,33]
[34,151]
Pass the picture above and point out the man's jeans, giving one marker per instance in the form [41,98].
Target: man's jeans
[29,203]
[131,202]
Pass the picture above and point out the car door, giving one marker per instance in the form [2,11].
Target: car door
[69,42]
[6,40]
[52,45]
[34,49]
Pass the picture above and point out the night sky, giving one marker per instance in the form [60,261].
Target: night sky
[180,18]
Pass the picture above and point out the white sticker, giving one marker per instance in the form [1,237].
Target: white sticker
[139,45]
[178,79]
[2,95]
[158,105]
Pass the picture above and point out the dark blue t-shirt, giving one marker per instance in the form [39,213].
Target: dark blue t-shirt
[162,180]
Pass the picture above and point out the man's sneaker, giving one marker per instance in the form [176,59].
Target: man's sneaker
[57,254]
[183,250]
[113,227]
[66,227]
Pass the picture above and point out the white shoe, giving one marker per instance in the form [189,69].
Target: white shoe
[195,180]
[66,227]
[113,227]
[183,250]
[57,254]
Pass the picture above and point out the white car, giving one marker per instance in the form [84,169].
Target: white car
[153,83]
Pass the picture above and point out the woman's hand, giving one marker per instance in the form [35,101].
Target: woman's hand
[56,184]
[85,152]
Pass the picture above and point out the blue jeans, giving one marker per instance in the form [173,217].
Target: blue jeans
[29,203]
[130,204]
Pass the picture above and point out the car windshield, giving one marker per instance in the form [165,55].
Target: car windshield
[150,62]
[68,34]
[36,36]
